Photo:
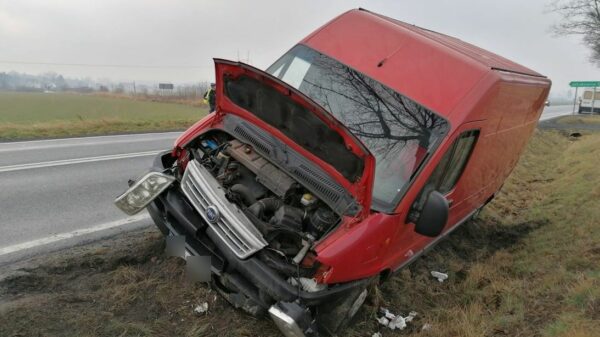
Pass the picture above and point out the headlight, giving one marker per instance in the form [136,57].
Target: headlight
[143,192]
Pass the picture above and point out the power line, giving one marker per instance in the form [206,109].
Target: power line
[91,65]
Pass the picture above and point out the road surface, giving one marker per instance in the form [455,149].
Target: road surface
[55,190]
[556,111]
[56,193]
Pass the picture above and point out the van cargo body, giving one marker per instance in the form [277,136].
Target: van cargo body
[355,152]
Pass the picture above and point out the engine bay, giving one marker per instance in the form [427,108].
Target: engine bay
[289,217]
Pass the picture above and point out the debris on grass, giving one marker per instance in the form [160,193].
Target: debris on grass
[201,308]
[426,327]
[395,321]
[441,277]
[377,334]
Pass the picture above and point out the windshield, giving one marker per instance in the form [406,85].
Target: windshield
[399,132]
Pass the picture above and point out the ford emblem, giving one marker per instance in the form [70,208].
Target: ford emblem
[212,214]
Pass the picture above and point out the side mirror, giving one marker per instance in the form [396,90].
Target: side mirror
[434,215]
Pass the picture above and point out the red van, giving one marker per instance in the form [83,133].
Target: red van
[359,149]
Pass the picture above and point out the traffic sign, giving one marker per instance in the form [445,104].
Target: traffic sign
[586,84]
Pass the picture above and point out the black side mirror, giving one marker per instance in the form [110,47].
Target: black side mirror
[434,215]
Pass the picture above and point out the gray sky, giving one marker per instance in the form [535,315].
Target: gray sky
[187,34]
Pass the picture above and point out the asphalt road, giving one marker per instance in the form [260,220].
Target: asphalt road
[51,189]
[556,111]
[56,193]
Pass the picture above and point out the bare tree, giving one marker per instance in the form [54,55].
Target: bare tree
[580,17]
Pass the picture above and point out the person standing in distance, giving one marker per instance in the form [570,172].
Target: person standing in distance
[210,97]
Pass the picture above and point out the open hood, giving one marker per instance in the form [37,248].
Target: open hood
[297,121]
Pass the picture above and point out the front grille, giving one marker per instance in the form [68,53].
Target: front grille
[232,226]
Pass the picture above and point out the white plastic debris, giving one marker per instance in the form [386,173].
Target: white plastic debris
[426,327]
[202,308]
[307,284]
[410,316]
[383,321]
[395,321]
[377,334]
[441,277]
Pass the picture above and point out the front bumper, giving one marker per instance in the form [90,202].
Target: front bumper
[251,277]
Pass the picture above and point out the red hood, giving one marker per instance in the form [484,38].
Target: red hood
[295,119]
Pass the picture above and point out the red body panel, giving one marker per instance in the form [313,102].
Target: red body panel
[471,87]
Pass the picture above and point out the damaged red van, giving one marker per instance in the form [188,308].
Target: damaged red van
[355,152]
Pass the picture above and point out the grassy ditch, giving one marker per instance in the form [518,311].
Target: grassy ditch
[579,119]
[51,115]
[529,266]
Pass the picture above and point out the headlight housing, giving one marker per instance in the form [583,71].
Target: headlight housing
[140,194]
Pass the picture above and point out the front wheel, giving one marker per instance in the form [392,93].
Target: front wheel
[335,316]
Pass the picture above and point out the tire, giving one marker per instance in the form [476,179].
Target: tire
[335,316]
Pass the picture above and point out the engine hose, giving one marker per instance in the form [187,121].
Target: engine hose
[267,204]
[245,193]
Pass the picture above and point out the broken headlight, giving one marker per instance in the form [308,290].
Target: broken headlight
[142,192]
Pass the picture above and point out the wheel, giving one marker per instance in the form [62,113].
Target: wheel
[333,317]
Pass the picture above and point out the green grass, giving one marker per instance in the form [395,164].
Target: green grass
[41,115]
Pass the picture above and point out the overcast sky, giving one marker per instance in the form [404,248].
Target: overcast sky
[176,40]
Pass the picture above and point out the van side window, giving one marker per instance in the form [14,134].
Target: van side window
[462,149]
[449,169]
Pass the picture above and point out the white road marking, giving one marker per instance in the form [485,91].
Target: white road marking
[75,233]
[29,147]
[63,162]
[176,133]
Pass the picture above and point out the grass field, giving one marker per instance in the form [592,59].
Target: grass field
[529,266]
[41,115]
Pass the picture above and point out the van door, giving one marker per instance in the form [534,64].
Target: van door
[445,178]
[448,173]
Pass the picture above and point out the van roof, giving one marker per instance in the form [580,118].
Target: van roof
[489,59]
[434,69]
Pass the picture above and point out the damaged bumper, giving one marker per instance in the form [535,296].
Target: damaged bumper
[248,283]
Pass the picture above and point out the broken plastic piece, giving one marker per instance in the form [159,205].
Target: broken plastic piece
[426,327]
[307,284]
[395,321]
[383,321]
[441,277]
[410,316]
[202,308]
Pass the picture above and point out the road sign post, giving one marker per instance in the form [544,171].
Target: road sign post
[593,99]
[575,100]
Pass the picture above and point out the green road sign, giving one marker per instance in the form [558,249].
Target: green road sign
[586,84]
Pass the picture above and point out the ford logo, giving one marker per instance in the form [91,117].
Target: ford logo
[212,214]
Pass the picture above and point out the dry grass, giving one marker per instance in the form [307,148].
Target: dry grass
[580,119]
[528,267]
